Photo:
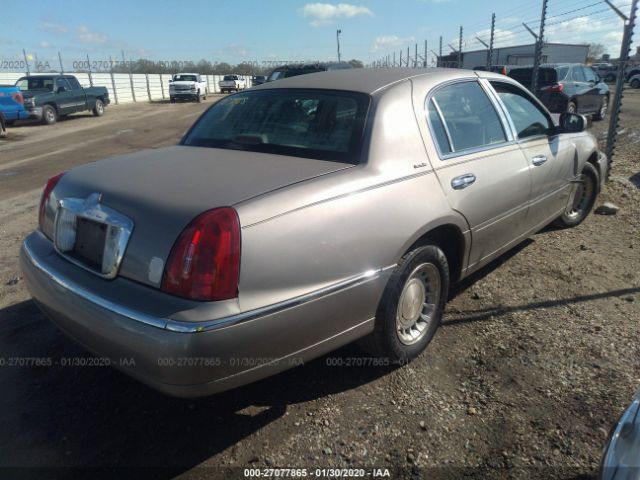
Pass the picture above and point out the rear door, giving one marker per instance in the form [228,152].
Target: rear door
[64,96]
[580,90]
[550,158]
[593,92]
[78,97]
[479,165]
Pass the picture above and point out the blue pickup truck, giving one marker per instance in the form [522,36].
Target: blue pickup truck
[11,106]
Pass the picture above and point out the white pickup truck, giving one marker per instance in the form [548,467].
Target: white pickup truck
[232,83]
[187,86]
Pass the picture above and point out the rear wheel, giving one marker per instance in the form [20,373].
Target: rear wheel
[172,99]
[635,83]
[49,115]
[411,307]
[604,105]
[98,108]
[582,199]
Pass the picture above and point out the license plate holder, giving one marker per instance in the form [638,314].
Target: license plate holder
[90,241]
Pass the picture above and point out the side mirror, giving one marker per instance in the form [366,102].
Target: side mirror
[61,89]
[572,123]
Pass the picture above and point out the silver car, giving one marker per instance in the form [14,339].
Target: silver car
[300,216]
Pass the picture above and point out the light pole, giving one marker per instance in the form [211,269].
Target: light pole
[338,32]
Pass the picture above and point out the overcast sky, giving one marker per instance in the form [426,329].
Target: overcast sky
[288,29]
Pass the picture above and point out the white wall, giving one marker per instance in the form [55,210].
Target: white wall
[153,86]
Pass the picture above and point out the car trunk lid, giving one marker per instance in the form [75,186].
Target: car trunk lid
[163,190]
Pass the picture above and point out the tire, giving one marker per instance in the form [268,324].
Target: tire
[610,78]
[49,115]
[582,200]
[572,107]
[635,83]
[98,108]
[600,114]
[411,307]
[172,99]
[198,97]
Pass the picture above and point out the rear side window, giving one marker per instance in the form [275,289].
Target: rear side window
[470,120]
[577,74]
[75,85]
[527,117]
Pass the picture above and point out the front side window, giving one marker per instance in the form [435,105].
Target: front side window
[321,124]
[527,117]
[470,120]
[589,74]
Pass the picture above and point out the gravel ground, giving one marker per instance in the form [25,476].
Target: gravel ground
[536,359]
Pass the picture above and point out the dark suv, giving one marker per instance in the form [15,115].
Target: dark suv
[573,88]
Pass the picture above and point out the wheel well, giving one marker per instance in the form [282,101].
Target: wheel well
[593,160]
[450,240]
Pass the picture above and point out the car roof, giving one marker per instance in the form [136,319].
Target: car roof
[369,80]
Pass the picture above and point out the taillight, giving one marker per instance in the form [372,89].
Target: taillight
[46,193]
[18,98]
[204,263]
[555,88]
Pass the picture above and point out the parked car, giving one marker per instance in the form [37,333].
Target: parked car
[607,71]
[187,86]
[572,88]
[49,97]
[622,455]
[232,83]
[632,72]
[11,106]
[302,215]
[294,70]
[634,82]
[258,80]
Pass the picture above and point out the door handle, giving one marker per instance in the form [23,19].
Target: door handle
[539,160]
[463,181]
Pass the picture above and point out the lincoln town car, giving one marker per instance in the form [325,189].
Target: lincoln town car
[302,215]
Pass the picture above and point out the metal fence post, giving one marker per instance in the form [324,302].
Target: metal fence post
[415,61]
[124,62]
[400,58]
[24,54]
[61,64]
[537,56]
[612,132]
[408,54]
[493,33]
[148,88]
[113,81]
[440,53]
[162,85]
[424,63]
[460,49]
[394,59]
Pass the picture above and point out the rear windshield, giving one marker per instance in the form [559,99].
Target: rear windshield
[229,77]
[294,72]
[319,124]
[185,78]
[546,76]
[42,84]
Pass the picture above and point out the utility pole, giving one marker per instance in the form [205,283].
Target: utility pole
[338,32]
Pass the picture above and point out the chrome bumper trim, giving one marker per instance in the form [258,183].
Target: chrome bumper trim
[205,326]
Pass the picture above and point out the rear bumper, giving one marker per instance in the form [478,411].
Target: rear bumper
[181,358]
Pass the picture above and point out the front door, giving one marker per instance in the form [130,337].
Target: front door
[64,96]
[549,156]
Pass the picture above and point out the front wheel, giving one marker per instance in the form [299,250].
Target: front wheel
[635,83]
[582,199]
[98,108]
[411,307]
[198,97]
[49,115]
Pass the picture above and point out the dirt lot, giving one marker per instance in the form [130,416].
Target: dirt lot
[536,358]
